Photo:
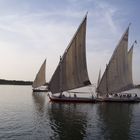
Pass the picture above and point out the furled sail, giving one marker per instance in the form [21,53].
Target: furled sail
[40,79]
[99,78]
[71,71]
[115,77]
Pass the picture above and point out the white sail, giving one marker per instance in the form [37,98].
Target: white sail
[40,79]
[129,74]
[71,72]
[115,76]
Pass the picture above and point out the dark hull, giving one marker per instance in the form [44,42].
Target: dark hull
[94,100]
[122,100]
[72,99]
[39,90]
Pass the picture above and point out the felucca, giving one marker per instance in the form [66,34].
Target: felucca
[71,72]
[118,74]
[40,79]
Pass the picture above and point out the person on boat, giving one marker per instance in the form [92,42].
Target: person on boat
[75,95]
[116,95]
[128,95]
[135,95]
[60,95]
[107,95]
[124,95]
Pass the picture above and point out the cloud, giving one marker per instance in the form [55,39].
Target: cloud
[30,36]
[31,33]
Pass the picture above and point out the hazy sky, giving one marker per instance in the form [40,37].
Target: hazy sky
[32,30]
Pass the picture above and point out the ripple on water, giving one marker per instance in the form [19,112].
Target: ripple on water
[24,115]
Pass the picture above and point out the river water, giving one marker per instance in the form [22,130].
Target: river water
[27,116]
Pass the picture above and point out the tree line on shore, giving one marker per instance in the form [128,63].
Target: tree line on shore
[14,82]
[21,82]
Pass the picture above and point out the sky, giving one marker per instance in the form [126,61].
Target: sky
[34,30]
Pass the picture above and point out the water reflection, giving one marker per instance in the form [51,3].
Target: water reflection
[39,102]
[41,127]
[24,115]
[115,120]
[61,121]
[67,121]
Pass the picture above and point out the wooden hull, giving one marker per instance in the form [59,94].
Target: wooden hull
[40,90]
[72,99]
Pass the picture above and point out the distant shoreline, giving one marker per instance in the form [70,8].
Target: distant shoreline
[14,82]
[21,82]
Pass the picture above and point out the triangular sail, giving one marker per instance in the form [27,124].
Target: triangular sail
[130,75]
[40,79]
[71,72]
[115,76]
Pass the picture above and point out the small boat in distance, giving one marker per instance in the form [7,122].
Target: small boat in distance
[118,75]
[40,79]
[71,72]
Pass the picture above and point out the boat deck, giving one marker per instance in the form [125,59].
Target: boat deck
[73,99]
[94,100]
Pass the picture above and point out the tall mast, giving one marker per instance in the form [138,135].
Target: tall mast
[98,82]
[107,79]
[61,76]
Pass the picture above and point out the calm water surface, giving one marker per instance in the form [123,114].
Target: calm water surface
[27,116]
